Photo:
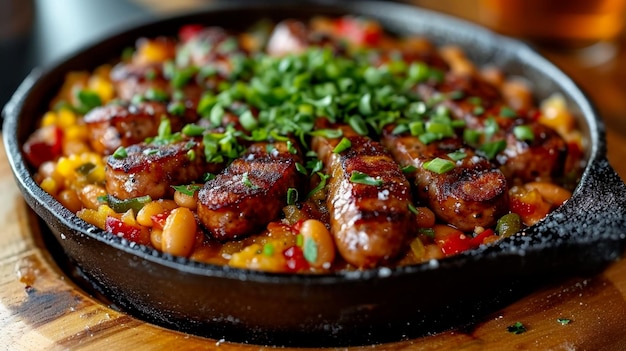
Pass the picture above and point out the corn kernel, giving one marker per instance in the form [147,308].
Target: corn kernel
[65,166]
[48,119]
[49,185]
[103,88]
[76,132]
[66,118]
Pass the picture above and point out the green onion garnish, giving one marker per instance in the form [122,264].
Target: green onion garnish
[188,190]
[292,196]
[524,133]
[457,155]
[120,153]
[343,145]
[362,178]
[491,149]
[439,165]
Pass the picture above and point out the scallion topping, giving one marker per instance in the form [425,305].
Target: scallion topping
[439,165]
[343,145]
[524,133]
[362,178]
[120,153]
[457,155]
[491,149]
[188,190]
[292,196]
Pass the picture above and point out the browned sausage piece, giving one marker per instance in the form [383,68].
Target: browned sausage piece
[370,223]
[113,125]
[473,194]
[481,107]
[250,192]
[153,169]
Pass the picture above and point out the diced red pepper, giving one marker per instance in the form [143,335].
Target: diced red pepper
[522,208]
[480,238]
[187,32]
[359,31]
[46,144]
[129,232]
[158,220]
[294,258]
[456,243]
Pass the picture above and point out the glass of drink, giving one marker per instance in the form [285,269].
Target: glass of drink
[589,27]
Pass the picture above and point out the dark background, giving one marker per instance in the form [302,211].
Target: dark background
[41,32]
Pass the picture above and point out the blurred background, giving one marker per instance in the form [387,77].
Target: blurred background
[588,42]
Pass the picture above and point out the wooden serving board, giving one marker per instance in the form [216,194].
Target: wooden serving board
[42,308]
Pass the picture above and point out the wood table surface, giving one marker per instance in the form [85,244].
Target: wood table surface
[42,308]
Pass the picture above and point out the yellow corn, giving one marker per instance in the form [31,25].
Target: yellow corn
[66,118]
[49,118]
[102,87]
[49,185]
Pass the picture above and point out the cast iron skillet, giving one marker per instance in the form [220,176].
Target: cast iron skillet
[345,308]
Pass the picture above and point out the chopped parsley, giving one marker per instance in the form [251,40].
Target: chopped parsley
[517,328]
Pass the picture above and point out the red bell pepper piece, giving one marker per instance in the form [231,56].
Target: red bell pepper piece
[128,232]
[295,260]
[46,144]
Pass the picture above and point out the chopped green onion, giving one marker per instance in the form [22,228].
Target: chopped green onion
[491,149]
[176,108]
[409,169]
[87,100]
[268,249]
[564,321]
[362,178]
[358,124]
[191,155]
[416,128]
[327,133]
[154,94]
[471,136]
[120,153]
[478,110]
[292,149]
[491,128]
[315,165]
[208,176]
[301,169]
[413,209]
[188,190]
[121,206]
[320,185]
[457,155]
[292,196]
[310,249]
[429,232]
[517,328]
[428,138]
[247,120]
[343,145]
[193,130]
[508,112]
[245,179]
[524,133]
[85,168]
[439,165]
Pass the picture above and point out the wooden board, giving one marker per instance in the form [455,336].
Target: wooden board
[42,308]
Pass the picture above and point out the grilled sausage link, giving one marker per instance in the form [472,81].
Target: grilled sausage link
[473,194]
[370,223]
[250,192]
[112,126]
[153,169]
[540,159]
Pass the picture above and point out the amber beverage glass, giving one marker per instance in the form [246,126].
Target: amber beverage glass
[567,24]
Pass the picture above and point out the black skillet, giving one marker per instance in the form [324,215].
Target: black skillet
[344,308]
